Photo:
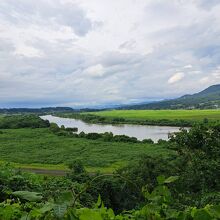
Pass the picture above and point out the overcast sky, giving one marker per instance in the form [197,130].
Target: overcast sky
[93,52]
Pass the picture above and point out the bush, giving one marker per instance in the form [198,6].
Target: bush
[72,129]
[108,136]
[124,138]
[148,141]
[82,134]
[62,127]
[54,127]
[23,121]
[93,136]
[161,141]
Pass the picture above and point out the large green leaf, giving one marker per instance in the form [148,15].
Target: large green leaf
[89,214]
[29,196]
[65,198]
[60,210]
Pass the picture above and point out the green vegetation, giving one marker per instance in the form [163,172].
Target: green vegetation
[107,136]
[188,115]
[22,121]
[40,145]
[177,179]
[148,117]
[48,110]
[185,186]
[23,204]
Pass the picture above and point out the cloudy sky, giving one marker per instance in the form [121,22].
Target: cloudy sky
[95,52]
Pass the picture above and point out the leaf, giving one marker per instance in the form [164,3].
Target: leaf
[215,211]
[29,196]
[171,179]
[71,215]
[46,208]
[161,179]
[111,213]
[202,215]
[99,202]
[60,210]
[145,192]
[25,216]
[65,197]
[89,214]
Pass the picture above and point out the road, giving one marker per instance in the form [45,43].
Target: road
[45,171]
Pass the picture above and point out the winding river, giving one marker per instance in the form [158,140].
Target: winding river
[139,131]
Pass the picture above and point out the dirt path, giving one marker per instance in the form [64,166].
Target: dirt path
[45,171]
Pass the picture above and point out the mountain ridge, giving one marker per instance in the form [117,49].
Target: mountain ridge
[206,99]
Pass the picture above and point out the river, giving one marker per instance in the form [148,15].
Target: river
[139,131]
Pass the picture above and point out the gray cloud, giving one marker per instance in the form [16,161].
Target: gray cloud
[83,53]
[46,13]
[207,4]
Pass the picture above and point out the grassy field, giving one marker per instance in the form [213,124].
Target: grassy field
[40,148]
[188,115]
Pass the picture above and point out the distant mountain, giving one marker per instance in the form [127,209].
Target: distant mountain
[36,110]
[206,99]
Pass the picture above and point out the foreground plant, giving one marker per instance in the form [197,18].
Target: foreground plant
[27,205]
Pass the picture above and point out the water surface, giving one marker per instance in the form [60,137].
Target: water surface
[139,131]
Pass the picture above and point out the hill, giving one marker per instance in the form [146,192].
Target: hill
[206,99]
[36,110]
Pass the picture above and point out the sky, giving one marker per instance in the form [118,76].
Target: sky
[86,53]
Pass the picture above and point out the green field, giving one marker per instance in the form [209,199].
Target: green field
[41,147]
[188,115]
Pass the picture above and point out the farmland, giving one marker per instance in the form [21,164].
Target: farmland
[177,118]
[188,115]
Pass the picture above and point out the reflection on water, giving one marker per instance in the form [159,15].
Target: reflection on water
[139,131]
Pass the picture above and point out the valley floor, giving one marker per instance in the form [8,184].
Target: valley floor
[40,148]
[189,115]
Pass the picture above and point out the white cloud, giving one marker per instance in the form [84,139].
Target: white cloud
[27,51]
[189,66]
[204,80]
[95,71]
[176,77]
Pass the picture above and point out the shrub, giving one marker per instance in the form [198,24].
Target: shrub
[72,129]
[54,127]
[161,141]
[148,141]
[124,138]
[82,134]
[108,136]
[23,121]
[93,136]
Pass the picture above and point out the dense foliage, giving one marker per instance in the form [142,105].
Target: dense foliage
[26,196]
[22,121]
[199,162]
